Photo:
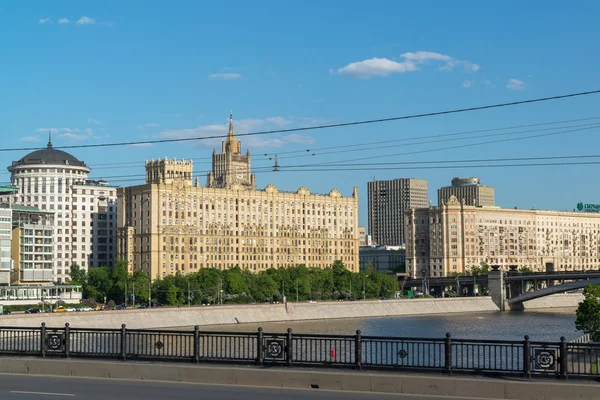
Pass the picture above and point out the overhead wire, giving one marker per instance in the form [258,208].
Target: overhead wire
[323,126]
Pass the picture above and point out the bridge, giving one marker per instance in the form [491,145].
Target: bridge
[516,303]
[512,287]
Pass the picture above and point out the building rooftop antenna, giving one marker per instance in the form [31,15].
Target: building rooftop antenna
[276,166]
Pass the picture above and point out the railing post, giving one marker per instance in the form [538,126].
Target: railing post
[563,358]
[67,342]
[123,342]
[358,350]
[448,353]
[526,357]
[43,339]
[196,344]
[289,348]
[259,347]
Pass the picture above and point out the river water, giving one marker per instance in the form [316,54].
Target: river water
[540,325]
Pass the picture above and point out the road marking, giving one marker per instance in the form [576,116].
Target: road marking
[42,393]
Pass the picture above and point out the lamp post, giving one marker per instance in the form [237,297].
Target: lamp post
[365,286]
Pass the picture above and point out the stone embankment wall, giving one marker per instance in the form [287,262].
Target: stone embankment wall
[256,313]
[232,314]
[562,300]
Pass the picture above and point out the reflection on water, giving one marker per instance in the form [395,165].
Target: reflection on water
[544,325]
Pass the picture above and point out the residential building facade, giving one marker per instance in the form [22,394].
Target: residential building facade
[468,189]
[383,258]
[53,180]
[454,237]
[173,225]
[388,203]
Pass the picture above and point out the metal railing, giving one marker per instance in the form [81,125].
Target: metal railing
[525,358]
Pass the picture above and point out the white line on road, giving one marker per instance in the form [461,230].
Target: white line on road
[42,393]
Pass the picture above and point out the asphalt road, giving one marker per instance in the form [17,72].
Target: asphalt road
[19,387]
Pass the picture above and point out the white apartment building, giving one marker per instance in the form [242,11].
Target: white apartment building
[85,211]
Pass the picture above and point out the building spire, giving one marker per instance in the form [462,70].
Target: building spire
[230,134]
[49,138]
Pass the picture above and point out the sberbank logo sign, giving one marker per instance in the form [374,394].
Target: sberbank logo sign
[592,208]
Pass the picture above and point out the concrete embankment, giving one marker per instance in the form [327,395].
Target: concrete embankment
[310,379]
[255,313]
[563,300]
[258,313]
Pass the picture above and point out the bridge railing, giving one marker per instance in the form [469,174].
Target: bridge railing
[525,358]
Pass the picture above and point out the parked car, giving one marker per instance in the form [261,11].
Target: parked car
[85,309]
[70,309]
[6,312]
[143,305]
[33,310]
[121,307]
[106,308]
[59,309]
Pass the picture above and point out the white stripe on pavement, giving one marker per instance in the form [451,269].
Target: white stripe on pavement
[42,393]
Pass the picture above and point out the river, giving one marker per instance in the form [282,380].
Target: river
[540,325]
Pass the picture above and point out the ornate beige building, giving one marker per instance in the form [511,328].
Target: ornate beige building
[171,224]
[454,237]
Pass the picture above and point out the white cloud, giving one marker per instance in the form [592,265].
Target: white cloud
[376,67]
[299,139]
[515,84]
[44,20]
[151,124]
[46,130]
[468,83]
[73,136]
[66,130]
[225,76]
[30,139]
[89,131]
[381,67]
[253,143]
[86,21]
[93,121]
[63,21]
[142,145]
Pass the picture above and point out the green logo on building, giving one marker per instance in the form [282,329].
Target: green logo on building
[588,208]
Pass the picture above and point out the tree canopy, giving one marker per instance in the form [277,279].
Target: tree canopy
[588,312]
[235,285]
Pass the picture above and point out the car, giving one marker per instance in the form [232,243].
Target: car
[143,305]
[33,310]
[86,309]
[121,307]
[70,309]
[59,309]
[6,312]
[106,308]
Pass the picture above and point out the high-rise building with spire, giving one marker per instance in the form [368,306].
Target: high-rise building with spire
[231,167]
[172,225]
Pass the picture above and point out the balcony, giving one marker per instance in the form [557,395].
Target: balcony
[36,275]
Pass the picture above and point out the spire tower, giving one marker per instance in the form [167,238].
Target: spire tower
[49,138]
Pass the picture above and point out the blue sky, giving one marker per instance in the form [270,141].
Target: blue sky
[97,72]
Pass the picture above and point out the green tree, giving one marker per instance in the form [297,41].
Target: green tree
[99,284]
[77,275]
[525,270]
[588,312]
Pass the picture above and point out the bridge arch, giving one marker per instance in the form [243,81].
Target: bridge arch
[517,302]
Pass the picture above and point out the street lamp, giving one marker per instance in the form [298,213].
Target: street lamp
[365,286]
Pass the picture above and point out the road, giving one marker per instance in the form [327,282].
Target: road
[19,387]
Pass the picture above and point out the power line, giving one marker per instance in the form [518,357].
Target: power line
[325,126]
[434,136]
[449,147]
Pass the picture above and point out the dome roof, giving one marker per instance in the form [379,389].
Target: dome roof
[50,156]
